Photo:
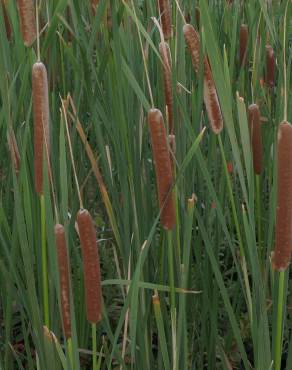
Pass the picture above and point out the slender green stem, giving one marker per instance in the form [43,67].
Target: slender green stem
[70,352]
[172,296]
[279,328]
[94,347]
[258,200]
[44,262]
[237,227]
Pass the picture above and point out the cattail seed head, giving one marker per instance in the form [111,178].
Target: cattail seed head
[211,100]
[243,39]
[90,265]
[94,4]
[165,12]
[41,120]
[26,11]
[210,94]
[270,66]
[163,168]
[166,58]
[254,120]
[283,242]
[63,264]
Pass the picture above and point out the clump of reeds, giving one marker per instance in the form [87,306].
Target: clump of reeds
[64,274]
[8,28]
[92,280]
[270,66]
[166,58]
[162,163]
[283,242]
[254,120]
[165,13]
[41,120]
[26,11]
[243,39]
[210,94]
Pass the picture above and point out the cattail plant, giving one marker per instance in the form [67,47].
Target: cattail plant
[41,120]
[165,13]
[270,66]
[164,177]
[243,39]
[210,94]
[26,11]
[91,266]
[254,120]
[166,58]
[63,264]
[283,243]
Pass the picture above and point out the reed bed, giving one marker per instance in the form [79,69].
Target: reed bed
[107,258]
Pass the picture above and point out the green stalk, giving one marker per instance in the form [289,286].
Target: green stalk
[258,202]
[94,347]
[237,227]
[70,351]
[172,296]
[279,327]
[44,262]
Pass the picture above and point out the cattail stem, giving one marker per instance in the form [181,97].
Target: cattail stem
[44,262]
[279,324]
[94,347]
[270,66]
[254,120]
[70,352]
[172,295]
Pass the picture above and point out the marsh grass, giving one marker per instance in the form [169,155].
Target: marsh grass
[202,295]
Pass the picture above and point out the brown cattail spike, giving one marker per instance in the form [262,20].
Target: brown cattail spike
[270,66]
[26,11]
[163,168]
[254,120]
[243,39]
[165,56]
[165,12]
[90,265]
[94,4]
[210,94]
[64,275]
[283,245]
[41,120]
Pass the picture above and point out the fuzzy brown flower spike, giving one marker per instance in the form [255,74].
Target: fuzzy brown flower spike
[283,245]
[63,264]
[26,11]
[243,38]
[165,11]
[41,120]
[210,94]
[256,137]
[165,56]
[163,168]
[90,266]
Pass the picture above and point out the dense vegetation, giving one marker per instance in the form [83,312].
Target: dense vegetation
[184,242]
